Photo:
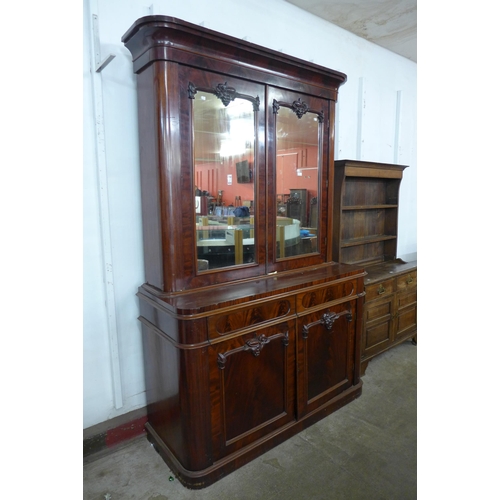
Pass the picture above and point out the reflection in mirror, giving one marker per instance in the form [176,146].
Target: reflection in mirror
[224,152]
[297,181]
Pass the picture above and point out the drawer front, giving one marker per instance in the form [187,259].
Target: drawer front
[407,299]
[326,294]
[381,310]
[407,281]
[248,317]
[381,289]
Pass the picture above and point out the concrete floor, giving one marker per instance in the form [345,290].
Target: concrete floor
[367,450]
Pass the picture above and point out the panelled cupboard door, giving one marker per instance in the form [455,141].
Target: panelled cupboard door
[378,332]
[406,316]
[325,355]
[252,386]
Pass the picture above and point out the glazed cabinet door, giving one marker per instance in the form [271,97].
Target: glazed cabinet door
[222,165]
[252,386]
[325,355]
[298,145]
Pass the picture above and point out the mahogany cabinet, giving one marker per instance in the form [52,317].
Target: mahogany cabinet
[365,233]
[232,373]
[251,329]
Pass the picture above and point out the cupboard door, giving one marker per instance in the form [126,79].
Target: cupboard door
[252,380]
[378,331]
[406,316]
[325,355]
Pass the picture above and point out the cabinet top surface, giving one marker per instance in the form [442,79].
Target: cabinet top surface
[169,32]
[369,164]
[388,269]
[209,299]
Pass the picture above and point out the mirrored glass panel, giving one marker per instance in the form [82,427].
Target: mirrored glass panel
[224,155]
[297,181]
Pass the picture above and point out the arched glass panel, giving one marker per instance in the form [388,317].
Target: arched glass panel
[297,178]
[224,158]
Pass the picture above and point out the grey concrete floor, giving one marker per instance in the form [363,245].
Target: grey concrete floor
[367,450]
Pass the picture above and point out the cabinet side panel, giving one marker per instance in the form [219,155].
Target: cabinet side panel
[163,392]
[195,408]
[177,386]
[166,211]
[150,189]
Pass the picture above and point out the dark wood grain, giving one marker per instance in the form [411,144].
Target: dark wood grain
[366,200]
[229,372]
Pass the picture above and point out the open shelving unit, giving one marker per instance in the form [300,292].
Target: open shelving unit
[365,233]
[367,199]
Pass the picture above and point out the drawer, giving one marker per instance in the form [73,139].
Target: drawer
[407,281]
[380,289]
[407,299]
[326,294]
[247,317]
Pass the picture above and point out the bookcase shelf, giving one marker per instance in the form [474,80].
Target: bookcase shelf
[366,211]
[367,240]
[367,207]
[365,231]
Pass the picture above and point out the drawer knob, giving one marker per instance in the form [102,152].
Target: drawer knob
[381,289]
[409,280]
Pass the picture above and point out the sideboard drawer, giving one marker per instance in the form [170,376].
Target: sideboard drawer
[238,319]
[407,281]
[324,295]
[379,289]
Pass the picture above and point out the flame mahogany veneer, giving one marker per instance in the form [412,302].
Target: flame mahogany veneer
[241,358]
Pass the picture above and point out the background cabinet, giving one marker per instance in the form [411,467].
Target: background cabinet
[390,309]
[297,206]
[365,233]
[243,352]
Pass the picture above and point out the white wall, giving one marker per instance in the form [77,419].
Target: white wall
[376,121]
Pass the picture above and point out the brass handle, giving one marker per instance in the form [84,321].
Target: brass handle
[409,280]
[381,290]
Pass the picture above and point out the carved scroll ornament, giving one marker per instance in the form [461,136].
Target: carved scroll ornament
[299,107]
[327,320]
[225,93]
[254,346]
